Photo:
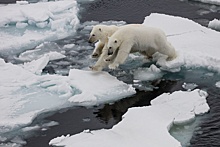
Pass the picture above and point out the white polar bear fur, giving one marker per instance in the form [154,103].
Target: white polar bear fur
[146,40]
[101,33]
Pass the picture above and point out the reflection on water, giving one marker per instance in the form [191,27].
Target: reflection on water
[105,116]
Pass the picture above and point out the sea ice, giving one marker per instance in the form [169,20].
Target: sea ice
[148,74]
[31,24]
[215,2]
[152,126]
[24,89]
[214,24]
[217,84]
[196,45]
[189,86]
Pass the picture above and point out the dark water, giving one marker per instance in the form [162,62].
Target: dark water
[75,120]
[134,11]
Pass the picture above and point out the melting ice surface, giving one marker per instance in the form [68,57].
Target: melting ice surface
[197,46]
[216,2]
[26,26]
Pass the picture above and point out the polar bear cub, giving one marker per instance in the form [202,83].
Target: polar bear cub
[101,33]
[146,40]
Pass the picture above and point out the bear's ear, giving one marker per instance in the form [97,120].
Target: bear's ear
[115,41]
[100,29]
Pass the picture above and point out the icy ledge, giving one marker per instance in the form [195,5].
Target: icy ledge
[196,45]
[152,127]
[215,2]
[25,93]
[214,24]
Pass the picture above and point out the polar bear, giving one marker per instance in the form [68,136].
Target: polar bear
[146,40]
[101,33]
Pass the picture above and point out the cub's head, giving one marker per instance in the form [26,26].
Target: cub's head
[113,44]
[96,33]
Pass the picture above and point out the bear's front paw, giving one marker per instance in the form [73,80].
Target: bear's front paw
[95,68]
[113,66]
[95,55]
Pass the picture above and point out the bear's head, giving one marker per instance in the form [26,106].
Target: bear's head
[113,44]
[96,34]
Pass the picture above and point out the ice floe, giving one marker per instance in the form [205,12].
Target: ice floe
[25,93]
[26,26]
[215,2]
[214,24]
[217,84]
[148,74]
[196,45]
[152,126]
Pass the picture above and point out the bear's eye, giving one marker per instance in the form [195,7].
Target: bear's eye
[93,34]
[115,41]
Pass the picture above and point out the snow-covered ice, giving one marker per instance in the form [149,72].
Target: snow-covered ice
[217,84]
[189,86]
[25,93]
[214,24]
[26,26]
[148,74]
[196,46]
[215,2]
[152,126]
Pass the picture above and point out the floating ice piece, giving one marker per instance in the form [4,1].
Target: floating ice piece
[24,94]
[51,20]
[21,25]
[148,74]
[98,87]
[49,48]
[217,84]
[214,24]
[196,46]
[36,66]
[152,126]
[22,2]
[189,86]
[68,46]
[215,2]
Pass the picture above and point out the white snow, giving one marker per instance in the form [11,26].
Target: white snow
[148,74]
[26,26]
[214,24]
[22,2]
[189,86]
[217,84]
[196,46]
[215,2]
[25,93]
[152,126]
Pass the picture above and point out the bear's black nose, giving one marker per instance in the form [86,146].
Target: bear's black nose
[110,47]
